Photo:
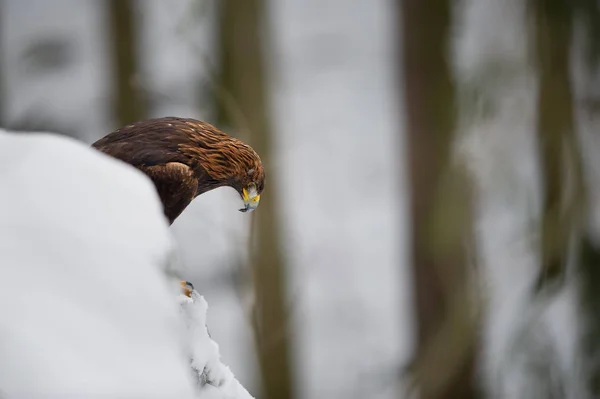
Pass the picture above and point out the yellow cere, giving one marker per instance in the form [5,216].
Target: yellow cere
[247,196]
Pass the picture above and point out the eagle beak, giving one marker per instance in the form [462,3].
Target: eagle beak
[251,199]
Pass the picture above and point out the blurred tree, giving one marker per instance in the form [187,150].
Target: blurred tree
[443,365]
[589,266]
[48,54]
[129,104]
[242,26]
[565,213]
[566,217]
[2,75]
[556,135]
[588,12]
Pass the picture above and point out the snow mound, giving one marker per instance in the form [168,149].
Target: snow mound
[87,309]
[213,378]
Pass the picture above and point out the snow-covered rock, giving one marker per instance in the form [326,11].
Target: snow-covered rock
[86,309]
[213,378]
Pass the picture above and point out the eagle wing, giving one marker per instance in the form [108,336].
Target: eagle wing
[154,150]
[145,144]
[176,186]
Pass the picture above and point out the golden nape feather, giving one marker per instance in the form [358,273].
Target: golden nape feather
[185,158]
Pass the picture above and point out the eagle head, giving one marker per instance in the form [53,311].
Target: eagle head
[249,180]
[231,162]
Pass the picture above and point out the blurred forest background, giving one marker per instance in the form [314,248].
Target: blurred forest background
[430,220]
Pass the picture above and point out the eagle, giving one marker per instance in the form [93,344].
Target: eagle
[186,157]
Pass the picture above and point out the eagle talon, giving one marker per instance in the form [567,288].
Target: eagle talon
[187,288]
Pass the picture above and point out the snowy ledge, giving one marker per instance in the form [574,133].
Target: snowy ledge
[214,380]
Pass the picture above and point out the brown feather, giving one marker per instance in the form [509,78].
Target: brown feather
[184,158]
[176,186]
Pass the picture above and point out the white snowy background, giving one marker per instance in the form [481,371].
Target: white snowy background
[338,119]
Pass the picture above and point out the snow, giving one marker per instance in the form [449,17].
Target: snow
[215,380]
[88,309]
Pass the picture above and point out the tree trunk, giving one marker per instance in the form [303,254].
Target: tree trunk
[128,101]
[557,141]
[243,24]
[565,212]
[3,121]
[440,208]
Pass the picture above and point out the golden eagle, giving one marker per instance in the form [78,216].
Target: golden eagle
[185,158]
